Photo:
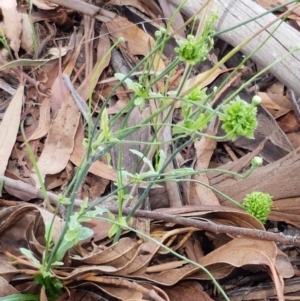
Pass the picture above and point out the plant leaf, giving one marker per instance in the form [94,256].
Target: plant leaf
[30,256]
[142,156]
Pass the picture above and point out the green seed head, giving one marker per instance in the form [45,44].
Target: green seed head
[193,50]
[239,119]
[259,205]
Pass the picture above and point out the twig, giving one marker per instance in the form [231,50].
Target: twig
[154,215]
[237,232]
[35,192]
[81,104]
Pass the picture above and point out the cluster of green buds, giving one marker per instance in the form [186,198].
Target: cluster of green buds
[259,205]
[194,50]
[239,118]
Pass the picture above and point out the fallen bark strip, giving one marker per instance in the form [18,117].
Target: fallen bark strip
[280,179]
[233,12]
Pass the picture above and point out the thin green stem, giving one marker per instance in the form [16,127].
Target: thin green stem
[161,245]
[276,8]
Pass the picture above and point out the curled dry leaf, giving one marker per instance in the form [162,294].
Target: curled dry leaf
[119,254]
[286,210]
[124,290]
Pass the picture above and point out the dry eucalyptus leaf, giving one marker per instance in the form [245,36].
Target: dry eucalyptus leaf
[60,140]
[9,128]
[200,194]
[43,123]
[11,24]
[137,41]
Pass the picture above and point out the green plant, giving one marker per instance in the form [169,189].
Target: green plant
[239,119]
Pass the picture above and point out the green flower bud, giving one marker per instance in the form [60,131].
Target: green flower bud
[121,40]
[259,205]
[256,100]
[256,162]
[296,48]
[159,33]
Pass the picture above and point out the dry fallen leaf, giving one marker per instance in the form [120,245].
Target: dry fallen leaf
[44,121]
[11,24]
[9,128]
[59,94]
[27,33]
[200,194]
[191,290]
[137,42]
[60,140]
[6,288]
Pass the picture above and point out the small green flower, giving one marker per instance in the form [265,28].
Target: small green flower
[193,51]
[239,119]
[259,205]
